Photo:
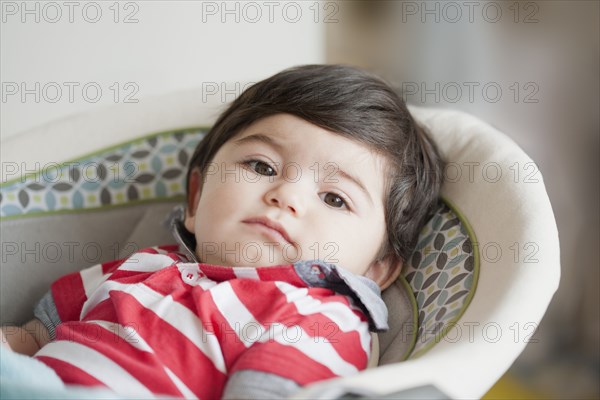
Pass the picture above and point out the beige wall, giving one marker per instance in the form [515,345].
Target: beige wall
[153,48]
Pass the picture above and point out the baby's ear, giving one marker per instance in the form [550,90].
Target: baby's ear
[385,271]
[193,198]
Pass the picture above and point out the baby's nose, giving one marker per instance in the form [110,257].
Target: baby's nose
[287,196]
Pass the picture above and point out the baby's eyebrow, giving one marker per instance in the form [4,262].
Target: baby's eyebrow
[270,141]
[261,138]
[356,181]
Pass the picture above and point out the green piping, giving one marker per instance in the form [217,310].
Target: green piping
[111,147]
[440,335]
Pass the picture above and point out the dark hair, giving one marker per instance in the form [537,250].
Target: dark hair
[359,106]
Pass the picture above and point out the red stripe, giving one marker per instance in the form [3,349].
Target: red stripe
[175,350]
[111,266]
[125,276]
[200,302]
[231,344]
[166,281]
[171,248]
[263,299]
[143,366]
[70,374]
[267,357]
[346,344]
[69,295]
[218,273]
[103,311]
[316,325]
[284,273]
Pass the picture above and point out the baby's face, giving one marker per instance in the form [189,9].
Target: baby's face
[324,191]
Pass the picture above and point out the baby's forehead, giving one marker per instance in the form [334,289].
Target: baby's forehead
[324,146]
[288,130]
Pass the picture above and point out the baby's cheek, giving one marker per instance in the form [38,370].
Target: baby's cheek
[352,247]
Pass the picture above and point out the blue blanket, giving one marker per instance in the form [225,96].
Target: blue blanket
[23,377]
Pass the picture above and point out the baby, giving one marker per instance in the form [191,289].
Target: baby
[304,200]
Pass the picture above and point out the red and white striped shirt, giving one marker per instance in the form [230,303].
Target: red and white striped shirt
[155,323]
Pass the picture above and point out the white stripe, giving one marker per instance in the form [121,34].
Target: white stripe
[146,262]
[143,262]
[127,333]
[338,313]
[185,391]
[132,337]
[246,273]
[175,314]
[319,350]
[183,320]
[97,365]
[92,278]
[96,288]
[247,328]
[100,294]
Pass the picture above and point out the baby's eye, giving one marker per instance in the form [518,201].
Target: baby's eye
[260,167]
[335,200]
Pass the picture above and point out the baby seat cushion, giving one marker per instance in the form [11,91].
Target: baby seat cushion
[111,203]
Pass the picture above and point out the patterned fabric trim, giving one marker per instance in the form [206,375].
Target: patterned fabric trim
[152,168]
[443,273]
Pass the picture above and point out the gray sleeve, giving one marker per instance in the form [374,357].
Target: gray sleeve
[46,312]
[250,384]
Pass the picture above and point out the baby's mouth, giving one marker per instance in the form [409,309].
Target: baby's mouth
[270,229]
